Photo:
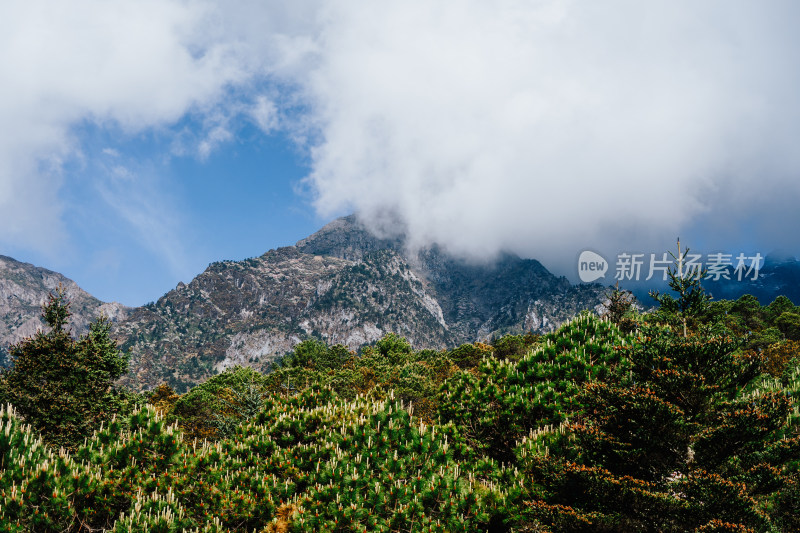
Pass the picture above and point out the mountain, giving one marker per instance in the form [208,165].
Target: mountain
[778,276]
[343,285]
[23,290]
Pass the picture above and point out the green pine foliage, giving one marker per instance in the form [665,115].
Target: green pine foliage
[337,465]
[591,428]
[500,401]
[690,300]
[679,441]
[63,386]
[213,409]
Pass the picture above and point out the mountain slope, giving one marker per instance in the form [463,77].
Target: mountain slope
[343,285]
[778,277]
[23,290]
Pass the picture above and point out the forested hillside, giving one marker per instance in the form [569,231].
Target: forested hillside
[684,419]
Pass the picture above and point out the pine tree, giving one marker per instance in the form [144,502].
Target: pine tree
[62,386]
[618,308]
[692,300]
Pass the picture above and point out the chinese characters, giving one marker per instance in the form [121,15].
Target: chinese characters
[715,267]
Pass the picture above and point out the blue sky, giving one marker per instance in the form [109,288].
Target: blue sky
[141,140]
[172,215]
[137,218]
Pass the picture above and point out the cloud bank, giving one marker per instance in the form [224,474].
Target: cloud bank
[548,127]
[541,128]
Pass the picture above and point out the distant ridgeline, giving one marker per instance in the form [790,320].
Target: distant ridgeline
[779,276]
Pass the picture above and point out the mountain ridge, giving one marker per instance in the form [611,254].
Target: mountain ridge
[343,285]
[24,288]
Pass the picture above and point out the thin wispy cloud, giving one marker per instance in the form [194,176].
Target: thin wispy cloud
[135,64]
[150,215]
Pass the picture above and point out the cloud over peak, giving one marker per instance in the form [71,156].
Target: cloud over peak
[535,127]
[547,127]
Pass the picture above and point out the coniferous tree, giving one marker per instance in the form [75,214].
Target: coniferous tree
[63,386]
[692,300]
[618,308]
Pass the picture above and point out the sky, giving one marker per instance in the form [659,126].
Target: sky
[141,140]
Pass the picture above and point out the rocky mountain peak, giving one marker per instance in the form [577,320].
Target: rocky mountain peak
[346,238]
[343,284]
[346,285]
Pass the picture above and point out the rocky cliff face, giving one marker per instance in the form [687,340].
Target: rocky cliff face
[343,285]
[24,288]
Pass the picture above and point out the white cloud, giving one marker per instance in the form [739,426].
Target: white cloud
[30,209]
[546,127]
[136,64]
[216,136]
[539,127]
[265,114]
